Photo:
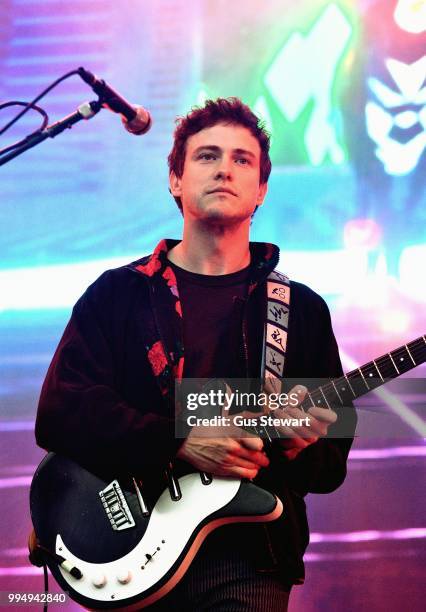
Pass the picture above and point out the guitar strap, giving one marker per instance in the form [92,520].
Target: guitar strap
[276,328]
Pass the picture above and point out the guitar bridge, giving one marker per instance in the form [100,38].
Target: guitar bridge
[116,508]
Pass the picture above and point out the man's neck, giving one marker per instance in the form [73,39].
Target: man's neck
[212,251]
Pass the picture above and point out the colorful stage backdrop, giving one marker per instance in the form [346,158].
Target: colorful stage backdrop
[341,87]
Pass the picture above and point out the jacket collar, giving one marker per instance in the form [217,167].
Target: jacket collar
[264,258]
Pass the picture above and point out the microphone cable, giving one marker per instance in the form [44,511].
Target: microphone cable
[33,107]
[30,105]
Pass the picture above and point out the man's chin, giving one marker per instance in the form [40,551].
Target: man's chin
[222,216]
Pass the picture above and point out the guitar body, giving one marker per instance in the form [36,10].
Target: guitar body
[132,566]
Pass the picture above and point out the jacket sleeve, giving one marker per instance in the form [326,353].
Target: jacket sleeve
[81,413]
[321,467]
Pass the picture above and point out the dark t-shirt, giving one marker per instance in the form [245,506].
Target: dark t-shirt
[212,322]
[212,333]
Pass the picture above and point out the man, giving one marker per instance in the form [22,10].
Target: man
[196,309]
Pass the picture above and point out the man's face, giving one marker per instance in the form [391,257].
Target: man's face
[220,180]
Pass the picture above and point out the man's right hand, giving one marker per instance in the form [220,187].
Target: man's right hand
[237,456]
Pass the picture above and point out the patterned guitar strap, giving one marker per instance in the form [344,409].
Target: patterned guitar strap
[276,328]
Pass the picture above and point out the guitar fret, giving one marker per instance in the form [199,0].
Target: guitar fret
[386,368]
[372,377]
[403,359]
[411,357]
[325,399]
[267,434]
[317,398]
[331,396]
[394,365]
[363,378]
[337,393]
[418,350]
[350,386]
[345,393]
[358,383]
[377,368]
[307,403]
[276,432]
[309,397]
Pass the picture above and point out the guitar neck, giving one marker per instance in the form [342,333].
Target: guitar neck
[342,391]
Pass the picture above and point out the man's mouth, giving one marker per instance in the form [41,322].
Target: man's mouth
[222,190]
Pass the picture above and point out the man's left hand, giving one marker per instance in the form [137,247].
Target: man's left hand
[296,438]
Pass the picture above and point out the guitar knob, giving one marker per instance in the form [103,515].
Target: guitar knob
[99,581]
[124,577]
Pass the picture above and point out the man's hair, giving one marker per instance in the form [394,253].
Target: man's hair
[230,111]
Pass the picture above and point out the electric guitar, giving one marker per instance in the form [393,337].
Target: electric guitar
[110,547]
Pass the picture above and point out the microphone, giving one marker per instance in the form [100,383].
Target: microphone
[136,119]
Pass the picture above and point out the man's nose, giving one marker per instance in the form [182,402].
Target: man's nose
[224,169]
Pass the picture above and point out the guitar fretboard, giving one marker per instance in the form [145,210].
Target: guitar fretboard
[340,392]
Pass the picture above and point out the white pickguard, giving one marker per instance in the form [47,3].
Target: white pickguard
[171,521]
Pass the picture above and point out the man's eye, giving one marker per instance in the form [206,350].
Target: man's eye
[207,156]
[243,161]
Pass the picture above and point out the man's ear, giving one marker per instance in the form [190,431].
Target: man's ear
[175,185]
[263,188]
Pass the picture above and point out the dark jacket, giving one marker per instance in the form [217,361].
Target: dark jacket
[108,398]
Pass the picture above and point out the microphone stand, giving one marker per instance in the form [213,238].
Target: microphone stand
[87,110]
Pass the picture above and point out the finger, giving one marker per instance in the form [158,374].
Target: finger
[299,443]
[237,461]
[238,472]
[291,448]
[310,424]
[253,443]
[304,430]
[256,457]
[272,385]
[234,448]
[300,392]
[323,414]
[228,399]
[292,453]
